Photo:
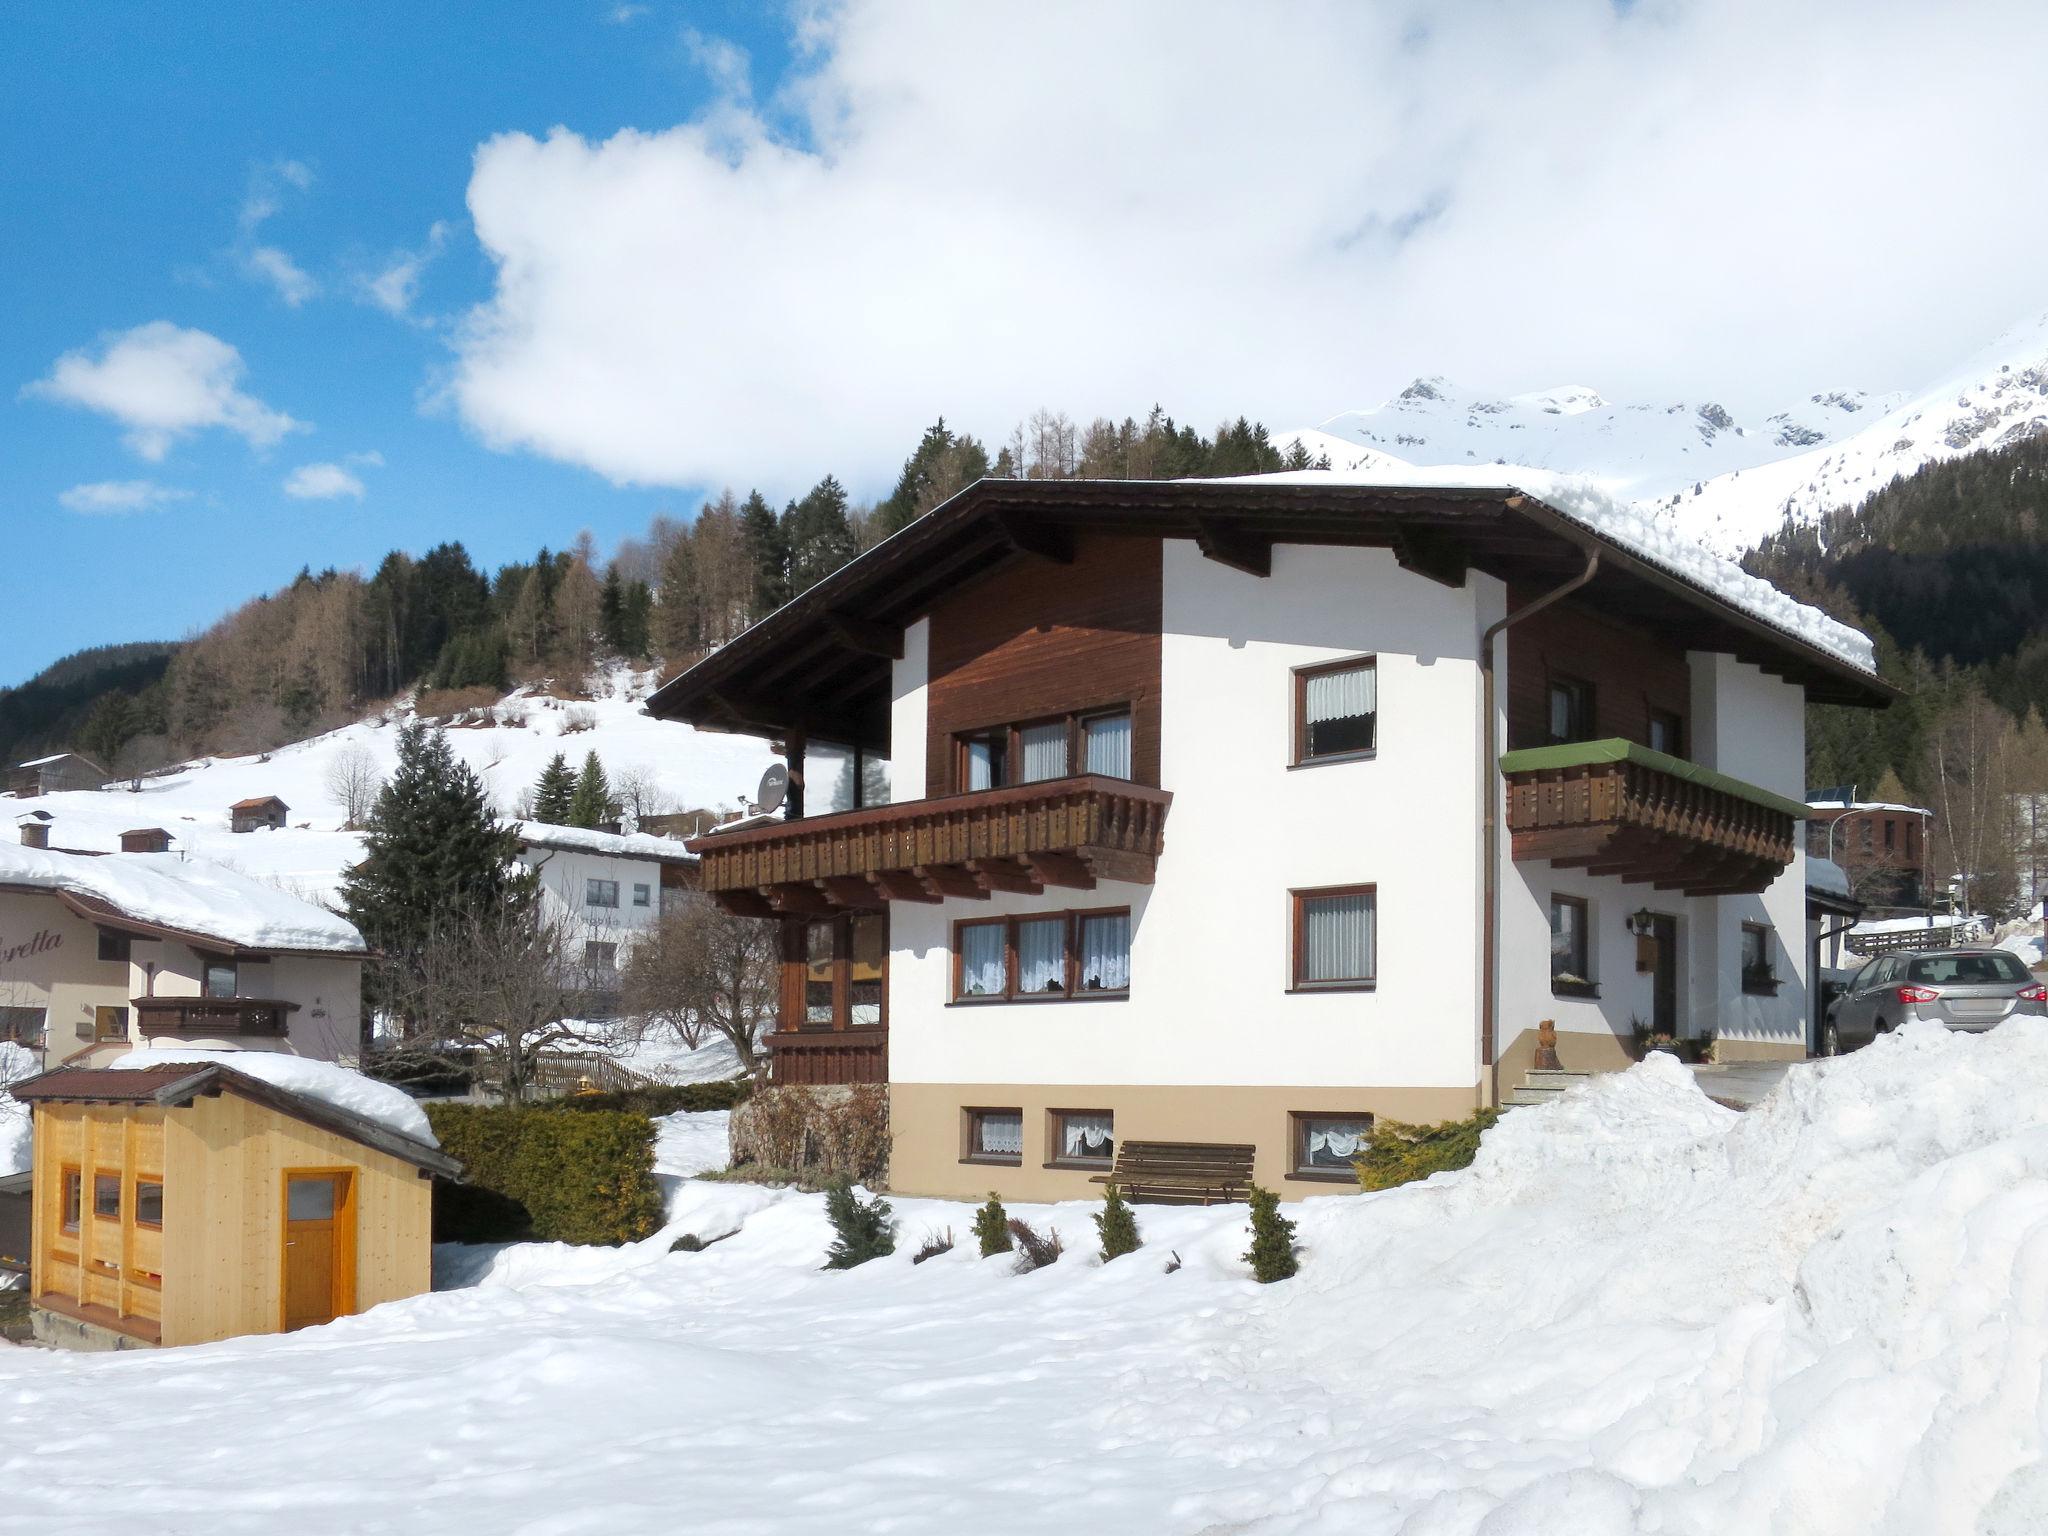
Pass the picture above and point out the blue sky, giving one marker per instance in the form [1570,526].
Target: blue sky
[502,273]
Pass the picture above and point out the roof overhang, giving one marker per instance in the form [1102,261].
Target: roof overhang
[821,663]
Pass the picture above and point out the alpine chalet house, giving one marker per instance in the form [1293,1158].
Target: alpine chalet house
[607,889]
[1238,813]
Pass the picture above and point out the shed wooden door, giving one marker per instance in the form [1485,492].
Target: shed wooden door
[319,1247]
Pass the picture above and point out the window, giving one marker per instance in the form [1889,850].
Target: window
[1757,975]
[1571,961]
[109,1023]
[1083,1136]
[221,978]
[149,1203]
[1667,733]
[1037,750]
[995,1136]
[842,966]
[73,1204]
[600,956]
[868,945]
[114,947]
[1336,710]
[1891,834]
[22,1025]
[840,777]
[1571,710]
[1043,957]
[1324,1145]
[1335,937]
[818,968]
[600,893]
[106,1196]
[643,895]
[1993,969]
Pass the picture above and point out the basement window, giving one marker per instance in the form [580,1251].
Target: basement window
[995,1136]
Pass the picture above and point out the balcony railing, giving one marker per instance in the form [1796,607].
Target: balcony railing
[1615,808]
[267,1016]
[1064,832]
[822,1057]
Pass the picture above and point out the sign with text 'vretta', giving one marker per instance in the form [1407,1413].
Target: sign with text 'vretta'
[42,943]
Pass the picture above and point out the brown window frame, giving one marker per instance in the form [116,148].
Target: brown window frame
[1297,1144]
[1676,722]
[142,1181]
[208,964]
[971,1117]
[793,1010]
[1055,1138]
[1011,732]
[1299,756]
[1588,985]
[1582,690]
[71,1198]
[1070,991]
[1297,901]
[1765,985]
[101,1177]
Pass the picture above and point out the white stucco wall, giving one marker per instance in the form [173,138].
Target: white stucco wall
[1211,944]
[564,877]
[327,989]
[908,680]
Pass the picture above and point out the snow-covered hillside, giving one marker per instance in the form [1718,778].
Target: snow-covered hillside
[689,769]
[1724,480]
[1636,1312]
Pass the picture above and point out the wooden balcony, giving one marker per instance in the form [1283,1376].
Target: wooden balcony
[822,1057]
[1061,832]
[1615,808]
[264,1016]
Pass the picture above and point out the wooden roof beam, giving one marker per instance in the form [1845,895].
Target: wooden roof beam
[1233,547]
[1432,554]
[1029,536]
[866,636]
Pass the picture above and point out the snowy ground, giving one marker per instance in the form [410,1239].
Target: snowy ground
[690,1143]
[1637,1312]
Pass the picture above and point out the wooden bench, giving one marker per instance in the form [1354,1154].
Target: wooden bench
[1205,1171]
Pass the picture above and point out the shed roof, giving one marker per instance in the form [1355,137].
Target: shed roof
[177,1084]
[258,802]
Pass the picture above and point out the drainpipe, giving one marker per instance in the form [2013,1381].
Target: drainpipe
[1489,777]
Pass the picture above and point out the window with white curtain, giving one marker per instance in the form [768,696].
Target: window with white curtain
[1326,1144]
[1334,938]
[1042,752]
[1084,1135]
[982,969]
[984,756]
[1337,710]
[995,1135]
[1107,745]
[1041,956]
[1105,952]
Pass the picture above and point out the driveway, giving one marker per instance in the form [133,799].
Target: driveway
[1742,1084]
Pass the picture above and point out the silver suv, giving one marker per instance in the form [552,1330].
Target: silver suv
[1962,988]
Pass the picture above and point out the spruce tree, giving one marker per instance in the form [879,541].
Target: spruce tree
[862,1228]
[679,617]
[1115,1225]
[767,552]
[992,1227]
[611,612]
[554,793]
[591,805]
[1271,1254]
[434,853]
[819,536]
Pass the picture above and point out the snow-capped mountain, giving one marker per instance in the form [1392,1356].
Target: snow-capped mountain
[1726,479]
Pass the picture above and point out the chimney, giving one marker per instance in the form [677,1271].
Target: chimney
[146,840]
[35,834]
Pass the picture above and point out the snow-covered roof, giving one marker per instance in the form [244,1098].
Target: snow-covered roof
[741,823]
[54,757]
[1827,875]
[1583,501]
[1847,806]
[623,845]
[189,897]
[324,1081]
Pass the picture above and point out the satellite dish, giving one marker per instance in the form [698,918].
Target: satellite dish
[774,785]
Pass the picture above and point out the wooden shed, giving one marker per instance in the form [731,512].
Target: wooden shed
[188,1202]
[262,813]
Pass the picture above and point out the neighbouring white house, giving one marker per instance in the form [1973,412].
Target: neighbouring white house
[102,953]
[1234,815]
[607,888]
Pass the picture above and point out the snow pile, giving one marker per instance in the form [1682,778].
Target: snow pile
[692,1142]
[342,1087]
[1586,502]
[16,1063]
[191,895]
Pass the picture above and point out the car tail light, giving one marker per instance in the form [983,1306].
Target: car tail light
[1918,995]
[2035,994]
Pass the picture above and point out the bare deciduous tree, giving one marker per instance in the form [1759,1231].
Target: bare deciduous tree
[638,791]
[353,779]
[703,972]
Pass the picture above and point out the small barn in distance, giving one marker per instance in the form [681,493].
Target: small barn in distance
[189,1201]
[264,813]
[60,771]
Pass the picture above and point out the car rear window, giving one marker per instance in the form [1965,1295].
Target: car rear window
[1967,970]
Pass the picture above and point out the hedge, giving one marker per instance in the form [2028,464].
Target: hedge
[1400,1154]
[662,1099]
[533,1173]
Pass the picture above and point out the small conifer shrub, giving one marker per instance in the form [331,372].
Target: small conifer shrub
[992,1227]
[1271,1254]
[862,1228]
[1116,1224]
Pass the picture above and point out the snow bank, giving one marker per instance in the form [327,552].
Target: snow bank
[1584,501]
[342,1087]
[16,1063]
[190,895]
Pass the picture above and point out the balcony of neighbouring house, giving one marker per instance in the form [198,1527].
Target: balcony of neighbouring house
[262,1016]
[1058,832]
[819,1058]
[1616,808]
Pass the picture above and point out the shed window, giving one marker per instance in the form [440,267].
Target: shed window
[73,1201]
[149,1203]
[106,1196]
[1336,709]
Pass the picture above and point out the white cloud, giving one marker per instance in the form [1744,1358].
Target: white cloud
[624,15]
[163,382]
[987,209]
[291,281]
[330,482]
[107,497]
[263,200]
[724,62]
[393,287]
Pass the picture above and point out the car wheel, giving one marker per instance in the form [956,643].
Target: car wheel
[1879,1028]
[1830,1041]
